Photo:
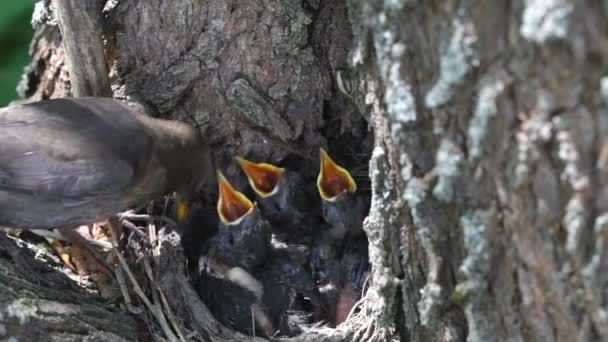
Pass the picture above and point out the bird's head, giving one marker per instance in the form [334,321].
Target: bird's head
[264,178]
[200,178]
[333,181]
[232,205]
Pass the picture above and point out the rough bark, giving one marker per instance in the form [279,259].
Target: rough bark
[40,304]
[80,26]
[496,119]
[488,217]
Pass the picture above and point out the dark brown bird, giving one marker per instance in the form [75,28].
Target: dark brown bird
[243,237]
[342,206]
[72,161]
[283,198]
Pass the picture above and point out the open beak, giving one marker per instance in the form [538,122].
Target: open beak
[232,205]
[263,177]
[333,180]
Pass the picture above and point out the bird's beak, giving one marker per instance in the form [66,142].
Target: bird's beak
[263,177]
[183,208]
[333,180]
[232,205]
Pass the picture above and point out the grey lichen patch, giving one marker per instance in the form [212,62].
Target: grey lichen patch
[378,226]
[109,6]
[22,309]
[400,103]
[604,88]
[50,307]
[477,263]
[575,134]
[25,308]
[450,161]
[415,192]
[545,20]
[575,223]
[457,59]
[432,296]
[42,14]
[600,230]
[535,132]
[395,5]
[257,111]
[476,268]
[398,97]
[485,110]
[595,273]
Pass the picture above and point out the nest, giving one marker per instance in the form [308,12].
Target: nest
[156,281]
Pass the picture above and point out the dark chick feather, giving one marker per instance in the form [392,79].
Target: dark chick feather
[284,198]
[244,243]
[65,162]
[292,211]
[230,303]
[346,215]
[288,285]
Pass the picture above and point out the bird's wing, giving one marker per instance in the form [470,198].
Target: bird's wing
[46,151]
[41,173]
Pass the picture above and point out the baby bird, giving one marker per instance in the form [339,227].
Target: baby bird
[283,198]
[243,237]
[342,206]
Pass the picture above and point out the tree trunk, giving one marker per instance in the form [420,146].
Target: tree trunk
[490,141]
[40,304]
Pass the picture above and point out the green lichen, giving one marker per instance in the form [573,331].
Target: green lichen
[458,297]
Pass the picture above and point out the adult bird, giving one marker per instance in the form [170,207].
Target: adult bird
[72,161]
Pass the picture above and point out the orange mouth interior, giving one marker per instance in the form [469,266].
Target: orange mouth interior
[333,180]
[263,177]
[232,204]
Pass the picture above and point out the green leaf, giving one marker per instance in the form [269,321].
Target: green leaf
[15,35]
